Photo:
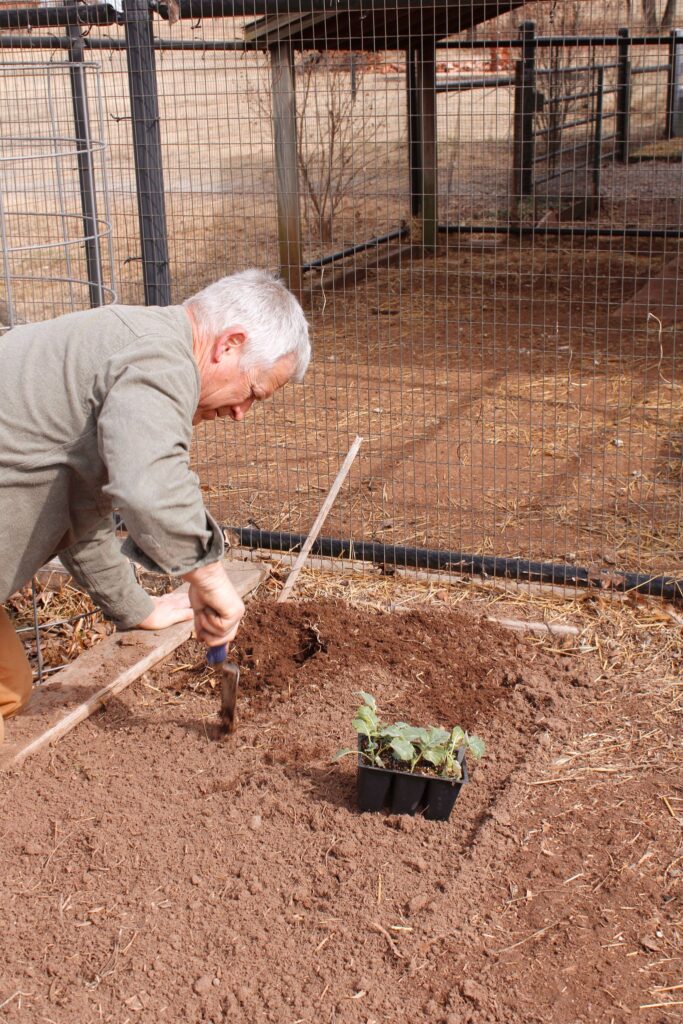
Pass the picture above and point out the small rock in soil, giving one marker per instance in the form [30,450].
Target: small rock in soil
[196,879]
[473,992]
[417,863]
[256,822]
[418,903]
[647,942]
[202,985]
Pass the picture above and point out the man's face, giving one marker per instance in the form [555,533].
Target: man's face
[227,390]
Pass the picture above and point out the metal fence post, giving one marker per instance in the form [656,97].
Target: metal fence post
[86,170]
[525,108]
[149,174]
[414,137]
[623,95]
[674,90]
[597,135]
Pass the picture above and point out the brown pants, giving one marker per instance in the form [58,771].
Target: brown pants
[15,673]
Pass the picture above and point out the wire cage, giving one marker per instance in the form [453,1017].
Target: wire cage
[55,227]
[479,206]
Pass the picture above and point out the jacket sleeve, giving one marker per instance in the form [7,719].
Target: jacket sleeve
[98,565]
[144,437]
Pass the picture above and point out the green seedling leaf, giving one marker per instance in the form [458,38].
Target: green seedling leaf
[344,752]
[361,727]
[476,746]
[435,755]
[365,714]
[435,736]
[367,699]
[391,731]
[416,735]
[402,749]
[457,737]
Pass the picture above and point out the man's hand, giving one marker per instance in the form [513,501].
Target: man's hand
[169,609]
[218,608]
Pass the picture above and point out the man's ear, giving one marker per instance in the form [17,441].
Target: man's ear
[234,337]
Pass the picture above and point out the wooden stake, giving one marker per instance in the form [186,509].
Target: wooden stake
[320,519]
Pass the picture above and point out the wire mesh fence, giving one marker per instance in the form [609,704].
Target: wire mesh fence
[483,222]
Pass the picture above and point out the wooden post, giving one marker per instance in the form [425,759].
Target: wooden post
[426,100]
[285,139]
[414,141]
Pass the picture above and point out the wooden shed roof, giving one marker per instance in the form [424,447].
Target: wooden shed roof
[375,27]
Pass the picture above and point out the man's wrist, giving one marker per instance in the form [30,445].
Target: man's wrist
[207,576]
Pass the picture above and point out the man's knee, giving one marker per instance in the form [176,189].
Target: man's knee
[16,679]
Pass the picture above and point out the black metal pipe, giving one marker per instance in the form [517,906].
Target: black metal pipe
[668,587]
[86,170]
[465,84]
[371,243]
[57,17]
[95,43]
[149,175]
[561,41]
[649,69]
[557,229]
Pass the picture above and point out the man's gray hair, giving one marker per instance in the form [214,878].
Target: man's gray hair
[259,302]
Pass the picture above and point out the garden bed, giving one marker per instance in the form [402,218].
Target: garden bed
[152,873]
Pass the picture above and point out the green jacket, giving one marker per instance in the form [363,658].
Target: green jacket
[96,414]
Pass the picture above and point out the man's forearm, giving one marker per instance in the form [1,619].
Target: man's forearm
[98,565]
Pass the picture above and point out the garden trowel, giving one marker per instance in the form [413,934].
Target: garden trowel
[230,677]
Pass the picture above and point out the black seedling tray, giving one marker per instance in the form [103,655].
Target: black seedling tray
[408,792]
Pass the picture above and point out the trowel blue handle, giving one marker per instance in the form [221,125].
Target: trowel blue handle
[217,655]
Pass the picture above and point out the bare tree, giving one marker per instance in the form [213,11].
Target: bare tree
[336,133]
[653,23]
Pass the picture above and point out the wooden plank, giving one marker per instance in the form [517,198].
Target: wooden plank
[99,674]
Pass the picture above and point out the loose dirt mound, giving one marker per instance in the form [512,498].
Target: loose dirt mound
[154,874]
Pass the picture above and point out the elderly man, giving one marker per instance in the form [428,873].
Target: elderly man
[96,414]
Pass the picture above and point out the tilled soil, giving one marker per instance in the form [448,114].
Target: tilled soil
[152,873]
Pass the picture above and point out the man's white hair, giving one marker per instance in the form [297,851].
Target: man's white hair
[273,319]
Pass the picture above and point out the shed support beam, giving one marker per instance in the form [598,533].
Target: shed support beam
[287,171]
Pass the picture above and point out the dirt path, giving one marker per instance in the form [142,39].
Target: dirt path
[153,874]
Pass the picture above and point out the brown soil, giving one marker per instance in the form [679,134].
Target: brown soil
[153,874]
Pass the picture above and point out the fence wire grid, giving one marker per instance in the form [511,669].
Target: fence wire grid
[479,206]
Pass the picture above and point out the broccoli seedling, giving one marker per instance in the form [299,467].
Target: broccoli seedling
[410,745]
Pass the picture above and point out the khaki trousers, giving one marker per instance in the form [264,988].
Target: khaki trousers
[15,673]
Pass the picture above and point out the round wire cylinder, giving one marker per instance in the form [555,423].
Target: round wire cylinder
[55,225]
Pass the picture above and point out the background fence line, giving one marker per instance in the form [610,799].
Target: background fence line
[488,245]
